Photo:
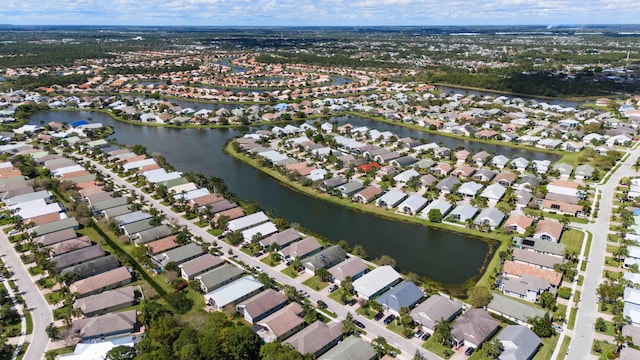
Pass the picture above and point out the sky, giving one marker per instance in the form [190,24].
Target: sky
[318,12]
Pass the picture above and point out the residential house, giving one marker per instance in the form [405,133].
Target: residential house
[548,229]
[230,294]
[376,282]
[631,309]
[494,192]
[354,267]
[412,205]
[536,259]
[435,309]
[484,175]
[439,204]
[107,301]
[261,305]
[301,249]
[317,338]
[91,267]
[518,343]
[324,259]
[473,328]
[367,194]
[518,270]
[513,309]
[469,189]
[506,179]
[404,294]
[105,326]
[281,239]
[463,171]
[526,287]
[218,277]
[180,255]
[199,265]
[489,216]
[584,172]
[350,188]
[447,185]
[351,348]
[101,282]
[463,212]
[391,199]
[565,170]
[281,324]
[518,224]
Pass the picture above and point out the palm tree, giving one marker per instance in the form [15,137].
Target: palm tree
[442,332]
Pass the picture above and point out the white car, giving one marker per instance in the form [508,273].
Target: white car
[258,268]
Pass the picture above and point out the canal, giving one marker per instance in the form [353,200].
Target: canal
[439,255]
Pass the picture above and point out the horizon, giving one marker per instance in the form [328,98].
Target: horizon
[317,13]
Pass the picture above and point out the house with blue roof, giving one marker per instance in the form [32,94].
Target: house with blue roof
[405,294]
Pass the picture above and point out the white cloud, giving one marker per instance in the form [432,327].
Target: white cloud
[318,12]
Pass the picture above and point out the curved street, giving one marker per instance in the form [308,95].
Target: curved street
[36,303]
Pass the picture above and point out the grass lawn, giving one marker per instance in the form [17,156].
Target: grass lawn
[395,328]
[564,347]
[290,272]
[35,270]
[605,348]
[315,283]
[611,248]
[269,261]
[610,329]
[335,296]
[215,232]
[202,223]
[580,280]
[572,240]
[548,344]
[328,313]
[54,297]
[61,351]
[437,348]
[572,319]
[609,261]
[366,312]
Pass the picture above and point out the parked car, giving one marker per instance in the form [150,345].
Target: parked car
[258,268]
[378,316]
[358,324]
[425,336]
[352,302]
[258,254]
[333,288]
[389,319]
[469,351]
[418,333]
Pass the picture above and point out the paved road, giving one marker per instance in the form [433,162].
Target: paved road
[580,347]
[36,303]
[374,329]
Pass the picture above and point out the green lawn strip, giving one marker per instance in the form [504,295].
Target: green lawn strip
[290,272]
[54,297]
[23,350]
[315,283]
[29,321]
[548,344]
[564,347]
[576,296]
[437,348]
[328,313]
[572,319]
[580,280]
[572,240]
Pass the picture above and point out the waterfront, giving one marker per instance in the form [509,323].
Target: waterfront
[416,248]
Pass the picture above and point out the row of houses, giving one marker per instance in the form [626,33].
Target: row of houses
[100,284]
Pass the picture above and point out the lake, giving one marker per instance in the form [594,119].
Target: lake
[445,257]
